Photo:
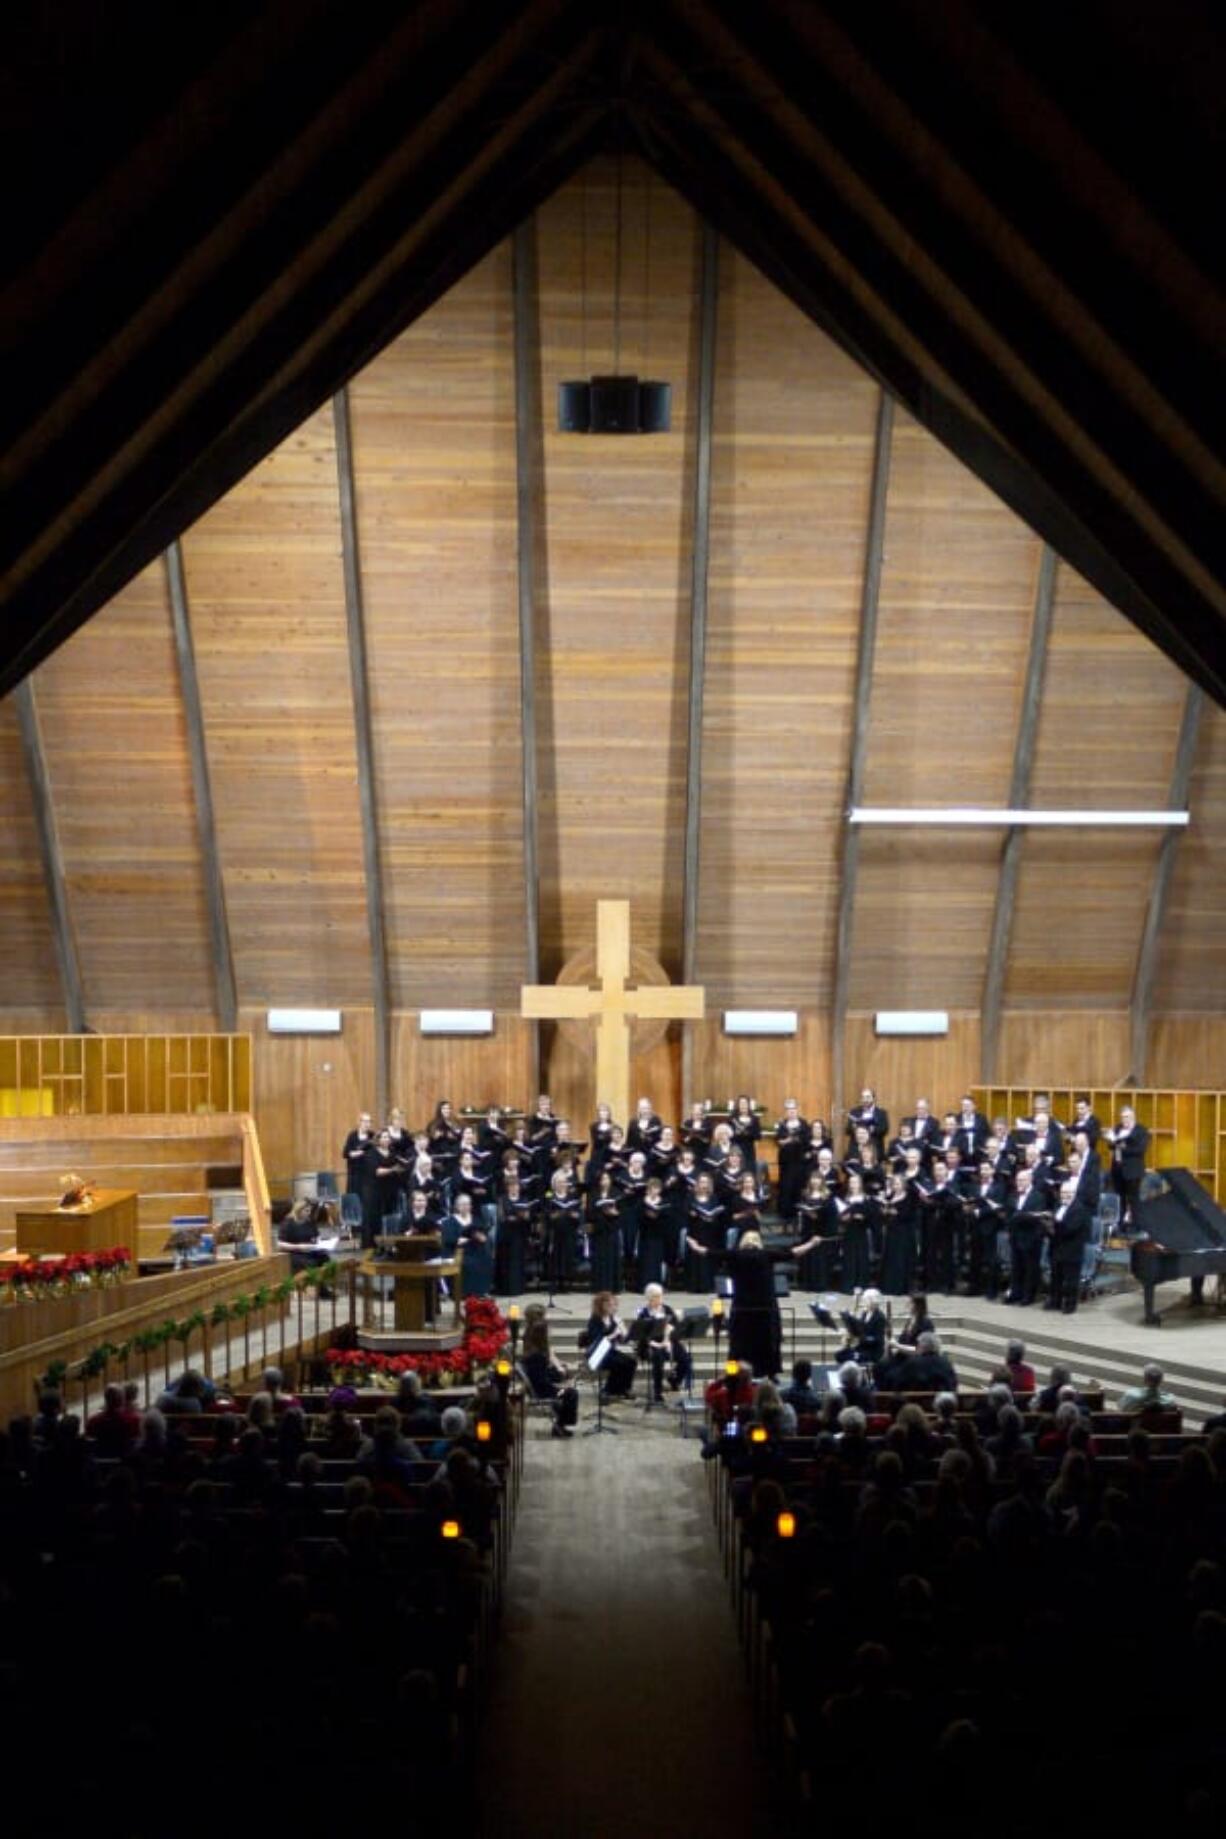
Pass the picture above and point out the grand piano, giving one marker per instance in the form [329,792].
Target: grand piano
[1183,1234]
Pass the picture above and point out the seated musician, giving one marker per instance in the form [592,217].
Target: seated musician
[657,1338]
[866,1329]
[548,1378]
[618,1367]
[299,1235]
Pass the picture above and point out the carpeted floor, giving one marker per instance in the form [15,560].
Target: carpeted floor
[619,1706]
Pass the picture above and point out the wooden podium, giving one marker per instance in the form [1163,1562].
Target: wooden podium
[109,1219]
[416,1269]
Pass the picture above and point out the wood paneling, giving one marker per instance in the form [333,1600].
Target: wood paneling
[1067,1047]
[957,592]
[117,756]
[1107,733]
[309,1090]
[268,613]
[613,597]
[902,1069]
[1192,952]
[769,1070]
[28,977]
[434,462]
[1188,1050]
[488,1070]
[791,467]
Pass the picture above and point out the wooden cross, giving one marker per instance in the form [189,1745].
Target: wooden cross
[612,1005]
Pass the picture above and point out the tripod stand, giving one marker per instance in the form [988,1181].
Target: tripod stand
[595,1361]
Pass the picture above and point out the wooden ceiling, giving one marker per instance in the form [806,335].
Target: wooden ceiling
[611,529]
[1009,215]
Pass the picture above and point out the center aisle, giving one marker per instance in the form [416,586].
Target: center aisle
[619,1703]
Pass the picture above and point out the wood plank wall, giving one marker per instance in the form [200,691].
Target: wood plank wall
[613,608]
[1107,732]
[792,458]
[29,981]
[117,757]
[435,486]
[433,422]
[957,593]
[268,613]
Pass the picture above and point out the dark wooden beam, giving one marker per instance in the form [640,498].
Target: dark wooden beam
[700,562]
[1155,915]
[528,437]
[359,679]
[49,850]
[870,595]
[226,997]
[1019,795]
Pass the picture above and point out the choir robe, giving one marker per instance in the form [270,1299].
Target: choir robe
[477,1273]
[746,1135]
[818,1269]
[386,1182]
[655,1237]
[792,1143]
[644,1135]
[562,1222]
[856,1221]
[598,1153]
[605,1243]
[708,1223]
[515,1221]
[900,1233]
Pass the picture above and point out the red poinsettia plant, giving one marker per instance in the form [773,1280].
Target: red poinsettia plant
[38,1278]
[485,1335]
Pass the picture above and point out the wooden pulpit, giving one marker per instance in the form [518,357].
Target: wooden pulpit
[110,1218]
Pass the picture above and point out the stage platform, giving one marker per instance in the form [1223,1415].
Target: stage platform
[1105,1341]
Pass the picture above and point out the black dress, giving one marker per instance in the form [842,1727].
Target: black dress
[515,1216]
[605,1243]
[755,1332]
[619,1365]
[856,1218]
[793,1144]
[708,1224]
[819,1268]
[898,1246]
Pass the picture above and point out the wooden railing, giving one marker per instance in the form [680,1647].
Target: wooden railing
[112,1075]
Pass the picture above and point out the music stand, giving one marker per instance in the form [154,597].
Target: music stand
[595,1360]
[553,1259]
[695,1325]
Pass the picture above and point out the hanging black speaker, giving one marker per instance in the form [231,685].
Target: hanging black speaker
[615,405]
[574,408]
[655,407]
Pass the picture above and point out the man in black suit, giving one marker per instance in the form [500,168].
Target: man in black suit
[985,1210]
[1085,1166]
[1128,1146]
[875,1120]
[1084,1119]
[924,1128]
[972,1130]
[1027,1219]
[1070,1234]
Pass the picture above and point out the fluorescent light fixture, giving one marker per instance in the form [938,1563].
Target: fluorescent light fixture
[912,1021]
[304,1021]
[760,1021]
[457,1021]
[988,816]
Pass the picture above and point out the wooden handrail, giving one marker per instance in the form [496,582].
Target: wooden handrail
[255,1185]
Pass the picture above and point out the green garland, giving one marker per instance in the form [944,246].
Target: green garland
[148,1340]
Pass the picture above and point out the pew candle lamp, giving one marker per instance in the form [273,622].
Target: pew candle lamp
[758,1434]
[785,1525]
[450,1529]
[485,1430]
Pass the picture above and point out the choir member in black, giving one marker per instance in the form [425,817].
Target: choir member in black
[746,1127]
[662,1156]
[524,1155]
[1070,1234]
[924,1128]
[856,1212]
[1049,1138]
[617,1369]
[820,1138]
[467,1232]
[566,1152]
[999,1154]
[817,1221]
[1129,1142]
[900,1208]
[358,1175]
[729,1177]
[943,1217]
[896,1151]
[645,1128]
[1041,1173]
[468,1145]
[493,1141]
[599,1136]
[618,1157]
[516,1217]
[443,1134]
[422,1174]
[298,1235]
[563,1217]
[1028,1215]
[422,1216]
[705,1236]
[604,1232]
[745,1207]
[869,1114]
[717,1152]
[972,1131]
[658,1341]
[792,1142]
[542,1135]
[985,1208]
[632,1186]
[918,1323]
[1084,1163]
[696,1130]
[1084,1119]
[401,1140]
[865,1161]
[468,1180]
[387,1179]
[824,1164]
[655,1232]
[754,1329]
